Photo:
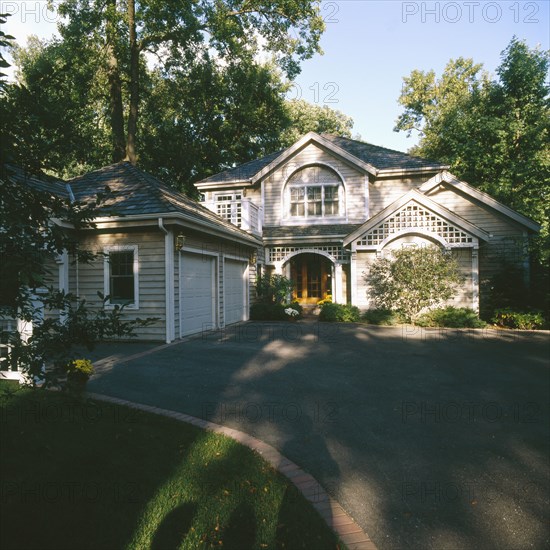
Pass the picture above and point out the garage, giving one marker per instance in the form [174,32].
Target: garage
[235,291]
[197,293]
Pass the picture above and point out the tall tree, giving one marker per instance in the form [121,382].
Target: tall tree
[494,133]
[305,117]
[176,32]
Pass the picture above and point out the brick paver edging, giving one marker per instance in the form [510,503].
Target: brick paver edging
[335,516]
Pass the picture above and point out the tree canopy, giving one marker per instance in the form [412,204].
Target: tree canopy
[494,133]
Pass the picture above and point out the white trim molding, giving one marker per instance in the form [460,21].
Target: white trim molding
[107,273]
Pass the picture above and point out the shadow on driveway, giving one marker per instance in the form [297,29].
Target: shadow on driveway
[429,438]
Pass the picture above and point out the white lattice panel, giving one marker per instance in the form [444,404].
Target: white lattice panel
[414,216]
[279,253]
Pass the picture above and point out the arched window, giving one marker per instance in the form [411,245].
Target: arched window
[314,192]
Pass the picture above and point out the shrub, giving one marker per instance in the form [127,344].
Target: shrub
[414,279]
[340,313]
[273,288]
[452,317]
[383,317]
[267,312]
[509,318]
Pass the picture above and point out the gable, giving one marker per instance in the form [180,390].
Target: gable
[414,216]
[446,187]
[414,212]
[315,162]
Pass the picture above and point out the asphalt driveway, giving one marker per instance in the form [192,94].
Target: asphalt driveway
[430,439]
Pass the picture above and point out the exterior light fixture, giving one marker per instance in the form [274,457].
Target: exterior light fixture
[180,241]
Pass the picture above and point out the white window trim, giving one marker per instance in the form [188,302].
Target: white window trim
[107,275]
[235,202]
[333,217]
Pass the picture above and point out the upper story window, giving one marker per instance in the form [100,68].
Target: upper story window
[314,192]
[228,206]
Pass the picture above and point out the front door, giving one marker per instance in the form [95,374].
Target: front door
[311,275]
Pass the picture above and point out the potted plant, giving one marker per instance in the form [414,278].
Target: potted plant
[78,374]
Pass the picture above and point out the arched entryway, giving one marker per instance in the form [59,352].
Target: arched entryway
[312,276]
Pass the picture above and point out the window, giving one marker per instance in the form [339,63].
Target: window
[228,206]
[315,192]
[121,276]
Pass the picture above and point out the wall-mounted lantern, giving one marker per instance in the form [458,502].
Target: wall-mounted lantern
[180,241]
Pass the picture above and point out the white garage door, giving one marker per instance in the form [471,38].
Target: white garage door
[234,291]
[197,293]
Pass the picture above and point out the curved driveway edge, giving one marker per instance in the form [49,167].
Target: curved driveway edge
[330,510]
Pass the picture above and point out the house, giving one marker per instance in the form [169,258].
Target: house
[320,212]
[159,252]
[327,206]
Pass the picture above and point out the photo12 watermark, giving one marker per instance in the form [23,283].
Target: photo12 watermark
[454,412]
[68,492]
[252,412]
[30,12]
[469,12]
[438,492]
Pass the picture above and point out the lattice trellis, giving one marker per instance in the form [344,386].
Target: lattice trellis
[414,216]
[279,253]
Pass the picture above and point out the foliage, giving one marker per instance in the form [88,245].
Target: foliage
[327,300]
[225,32]
[339,313]
[413,279]
[34,231]
[382,317]
[28,238]
[305,117]
[273,288]
[5,42]
[68,325]
[510,318]
[452,317]
[81,366]
[160,483]
[493,133]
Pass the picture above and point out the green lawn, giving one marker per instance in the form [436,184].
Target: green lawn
[94,475]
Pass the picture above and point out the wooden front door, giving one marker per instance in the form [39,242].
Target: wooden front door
[311,275]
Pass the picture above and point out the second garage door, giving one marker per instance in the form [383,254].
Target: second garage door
[197,293]
[234,291]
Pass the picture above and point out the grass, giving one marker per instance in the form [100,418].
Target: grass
[87,474]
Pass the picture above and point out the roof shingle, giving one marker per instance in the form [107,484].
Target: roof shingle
[379,157]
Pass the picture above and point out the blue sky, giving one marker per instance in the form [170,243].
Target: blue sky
[370,45]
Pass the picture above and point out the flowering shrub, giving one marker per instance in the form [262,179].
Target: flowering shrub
[327,300]
[81,366]
[292,312]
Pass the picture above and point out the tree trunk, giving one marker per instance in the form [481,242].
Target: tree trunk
[134,85]
[116,110]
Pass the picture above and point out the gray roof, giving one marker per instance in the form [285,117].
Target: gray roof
[243,172]
[38,182]
[137,193]
[379,157]
[297,231]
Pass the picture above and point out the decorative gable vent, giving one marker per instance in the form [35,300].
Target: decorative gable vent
[414,216]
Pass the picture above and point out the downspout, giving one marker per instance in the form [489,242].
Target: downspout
[168,280]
